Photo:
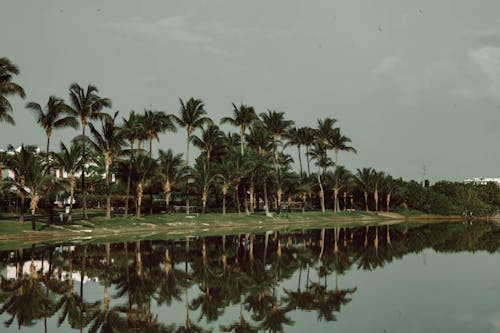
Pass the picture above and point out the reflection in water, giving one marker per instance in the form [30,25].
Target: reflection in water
[268,277]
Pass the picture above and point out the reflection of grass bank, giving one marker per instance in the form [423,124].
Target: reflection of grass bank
[180,225]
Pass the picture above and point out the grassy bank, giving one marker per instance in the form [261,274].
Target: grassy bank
[179,225]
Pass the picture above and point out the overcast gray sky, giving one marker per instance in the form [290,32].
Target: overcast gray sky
[411,82]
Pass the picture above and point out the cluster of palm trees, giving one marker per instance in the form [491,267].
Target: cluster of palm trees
[250,168]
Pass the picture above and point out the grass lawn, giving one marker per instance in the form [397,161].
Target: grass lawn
[167,226]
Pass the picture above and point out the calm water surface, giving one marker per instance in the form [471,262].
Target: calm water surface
[442,277]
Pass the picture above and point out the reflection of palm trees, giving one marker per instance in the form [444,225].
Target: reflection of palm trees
[28,299]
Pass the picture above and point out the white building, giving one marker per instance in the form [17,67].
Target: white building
[482,181]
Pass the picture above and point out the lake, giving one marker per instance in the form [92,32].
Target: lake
[411,277]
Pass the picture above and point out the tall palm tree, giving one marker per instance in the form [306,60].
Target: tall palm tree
[340,143]
[7,87]
[155,123]
[338,179]
[192,116]
[318,153]
[324,133]
[69,161]
[55,116]
[86,105]
[171,168]
[108,143]
[132,130]
[204,180]
[363,179]
[295,137]
[377,179]
[309,138]
[277,125]
[243,118]
[209,140]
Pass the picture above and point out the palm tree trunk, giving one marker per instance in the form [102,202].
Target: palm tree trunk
[139,199]
[237,197]
[187,164]
[71,196]
[375,197]
[108,195]
[300,160]
[129,179]
[252,196]
[266,200]
[84,190]
[33,224]
[366,200]
[308,161]
[241,138]
[224,192]
[204,202]
[335,200]
[21,210]
[151,184]
[388,201]
[321,192]
[50,189]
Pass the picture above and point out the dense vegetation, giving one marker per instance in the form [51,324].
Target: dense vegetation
[248,170]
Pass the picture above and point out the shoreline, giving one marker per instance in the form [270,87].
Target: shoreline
[15,234]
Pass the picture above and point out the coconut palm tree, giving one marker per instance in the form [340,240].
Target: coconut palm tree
[172,171]
[7,87]
[389,186]
[243,118]
[55,116]
[377,179]
[318,152]
[363,180]
[225,171]
[295,137]
[31,177]
[277,125]
[108,143]
[132,130]
[209,140]
[192,116]
[18,162]
[339,143]
[309,138]
[69,161]
[86,105]
[204,179]
[338,179]
[324,133]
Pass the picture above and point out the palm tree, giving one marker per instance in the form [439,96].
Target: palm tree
[210,139]
[55,117]
[225,173]
[389,186]
[204,179]
[107,143]
[376,182]
[338,179]
[309,138]
[7,87]
[31,177]
[132,130]
[324,133]
[295,137]
[339,143]
[318,153]
[69,161]
[171,167]
[243,118]
[18,162]
[87,105]
[276,124]
[363,179]
[191,117]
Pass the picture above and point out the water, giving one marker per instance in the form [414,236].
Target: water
[442,277]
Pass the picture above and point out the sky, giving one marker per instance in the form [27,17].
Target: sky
[411,83]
